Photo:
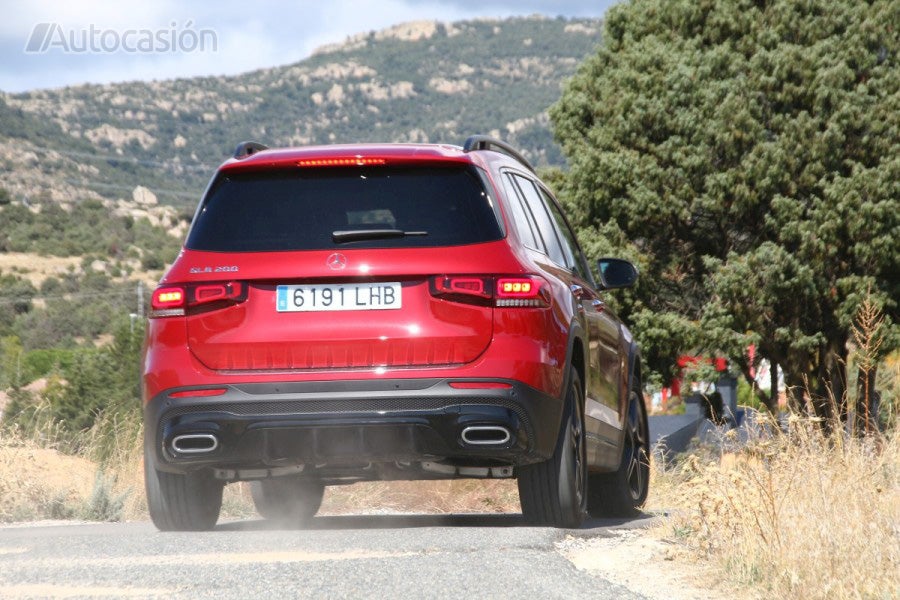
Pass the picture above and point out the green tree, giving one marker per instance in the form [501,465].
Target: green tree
[11,355]
[94,389]
[746,154]
[102,380]
[15,299]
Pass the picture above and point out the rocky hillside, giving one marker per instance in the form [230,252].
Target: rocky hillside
[422,81]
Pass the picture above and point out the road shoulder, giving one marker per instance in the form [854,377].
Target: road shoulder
[640,561]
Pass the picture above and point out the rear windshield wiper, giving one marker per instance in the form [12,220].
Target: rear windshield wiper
[353,235]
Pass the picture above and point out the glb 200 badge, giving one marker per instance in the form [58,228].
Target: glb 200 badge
[218,269]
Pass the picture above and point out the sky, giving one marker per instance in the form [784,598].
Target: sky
[48,44]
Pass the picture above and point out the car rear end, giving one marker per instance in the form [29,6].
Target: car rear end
[349,313]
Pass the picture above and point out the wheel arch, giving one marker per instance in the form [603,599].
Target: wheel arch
[576,358]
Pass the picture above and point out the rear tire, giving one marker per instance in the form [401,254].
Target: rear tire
[287,499]
[553,492]
[182,502]
[623,492]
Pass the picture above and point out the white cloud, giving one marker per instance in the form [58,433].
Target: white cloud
[82,13]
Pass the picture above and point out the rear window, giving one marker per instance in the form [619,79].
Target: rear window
[299,209]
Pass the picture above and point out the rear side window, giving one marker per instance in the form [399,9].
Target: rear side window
[299,209]
[569,241]
[544,224]
[523,221]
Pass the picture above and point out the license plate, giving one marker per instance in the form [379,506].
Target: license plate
[345,296]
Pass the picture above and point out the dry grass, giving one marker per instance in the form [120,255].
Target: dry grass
[794,514]
[40,483]
[94,476]
[120,457]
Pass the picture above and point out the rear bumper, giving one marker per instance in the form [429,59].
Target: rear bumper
[347,426]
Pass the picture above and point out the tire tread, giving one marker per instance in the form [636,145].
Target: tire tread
[539,484]
[189,502]
[287,499]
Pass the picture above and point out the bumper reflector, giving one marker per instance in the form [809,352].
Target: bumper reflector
[203,393]
[480,385]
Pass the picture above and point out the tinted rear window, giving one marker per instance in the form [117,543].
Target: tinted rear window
[299,209]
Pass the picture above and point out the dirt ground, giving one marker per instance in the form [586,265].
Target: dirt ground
[31,477]
[37,268]
[642,562]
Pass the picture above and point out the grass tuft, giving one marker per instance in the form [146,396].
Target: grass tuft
[105,504]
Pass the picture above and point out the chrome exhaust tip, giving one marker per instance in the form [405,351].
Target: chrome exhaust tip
[486,435]
[195,443]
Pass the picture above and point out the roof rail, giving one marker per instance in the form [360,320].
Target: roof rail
[245,149]
[485,142]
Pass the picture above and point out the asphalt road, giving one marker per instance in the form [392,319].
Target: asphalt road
[336,557]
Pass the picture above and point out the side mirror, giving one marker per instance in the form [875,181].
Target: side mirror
[616,273]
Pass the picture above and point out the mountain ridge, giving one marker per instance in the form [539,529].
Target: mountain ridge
[422,81]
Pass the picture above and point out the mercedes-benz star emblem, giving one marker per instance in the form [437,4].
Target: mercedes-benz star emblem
[336,261]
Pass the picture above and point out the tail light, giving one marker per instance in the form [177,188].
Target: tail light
[463,288]
[167,302]
[210,293]
[176,301]
[522,292]
[526,291]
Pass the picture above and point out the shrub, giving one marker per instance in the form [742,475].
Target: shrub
[104,504]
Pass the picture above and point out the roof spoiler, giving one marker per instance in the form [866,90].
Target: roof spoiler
[485,142]
[245,149]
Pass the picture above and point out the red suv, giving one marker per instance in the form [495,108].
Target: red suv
[395,311]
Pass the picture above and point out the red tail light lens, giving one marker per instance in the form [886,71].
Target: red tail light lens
[472,286]
[466,286]
[528,291]
[167,302]
[204,294]
[175,301]
[209,293]
[463,288]
[517,288]
[524,292]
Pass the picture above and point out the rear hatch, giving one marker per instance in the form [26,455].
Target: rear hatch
[342,267]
